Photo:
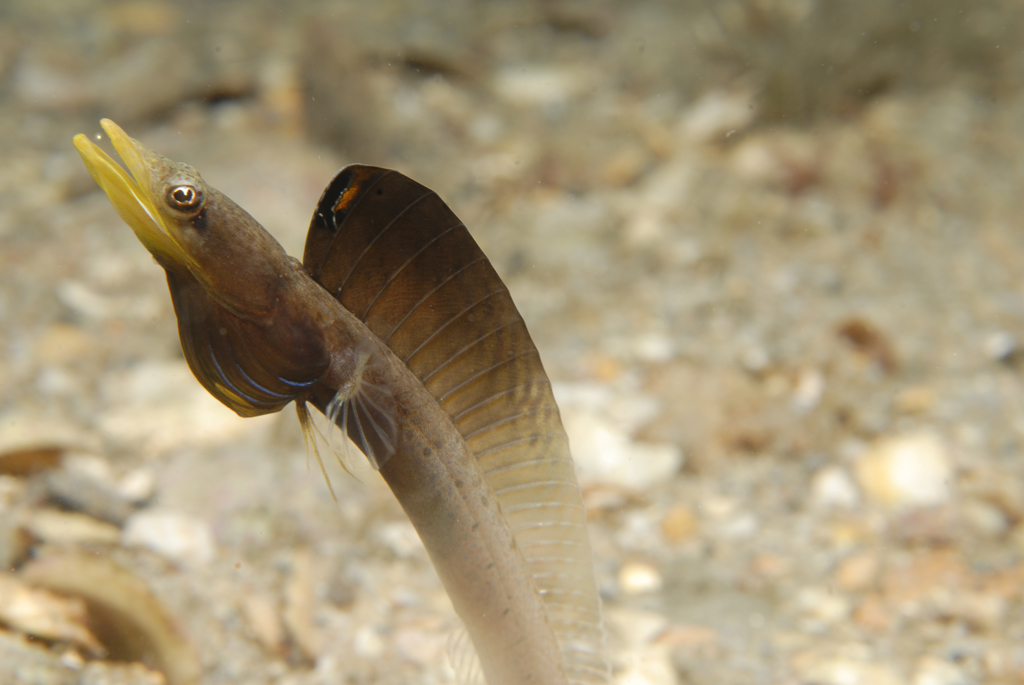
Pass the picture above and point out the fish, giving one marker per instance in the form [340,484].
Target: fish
[398,329]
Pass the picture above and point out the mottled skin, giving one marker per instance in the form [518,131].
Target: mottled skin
[262,311]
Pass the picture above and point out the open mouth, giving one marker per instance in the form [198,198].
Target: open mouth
[128,192]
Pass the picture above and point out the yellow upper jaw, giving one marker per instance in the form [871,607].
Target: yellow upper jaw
[130,196]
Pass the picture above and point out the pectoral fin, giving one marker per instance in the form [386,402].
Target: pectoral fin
[463,658]
[364,410]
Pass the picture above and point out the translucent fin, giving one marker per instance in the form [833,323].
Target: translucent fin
[309,431]
[463,659]
[365,412]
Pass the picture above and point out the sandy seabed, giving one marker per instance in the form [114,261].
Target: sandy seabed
[786,342]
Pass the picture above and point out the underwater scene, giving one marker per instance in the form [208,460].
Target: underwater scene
[756,265]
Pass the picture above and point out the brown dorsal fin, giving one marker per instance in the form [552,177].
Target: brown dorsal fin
[218,348]
[397,257]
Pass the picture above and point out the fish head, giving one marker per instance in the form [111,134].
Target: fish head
[157,197]
[188,226]
[247,341]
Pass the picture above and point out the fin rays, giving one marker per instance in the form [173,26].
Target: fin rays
[495,397]
[503,421]
[443,326]
[511,444]
[365,412]
[397,272]
[463,350]
[489,473]
[355,263]
[426,297]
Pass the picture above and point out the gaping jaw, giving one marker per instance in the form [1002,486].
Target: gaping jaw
[132,197]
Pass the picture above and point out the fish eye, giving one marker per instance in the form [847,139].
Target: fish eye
[184,197]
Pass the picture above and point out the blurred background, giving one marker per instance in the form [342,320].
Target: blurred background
[769,250]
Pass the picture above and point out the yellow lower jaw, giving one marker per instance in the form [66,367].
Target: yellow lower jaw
[129,199]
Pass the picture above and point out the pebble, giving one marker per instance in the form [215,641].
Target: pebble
[368,642]
[652,666]
[929,526]
[639,578]
[265,621]
[680,523]
[176,536]
[754,159]
[823,670]
[917,399]
[810,386]
[931,670]
[138,485]
[299,606]
[653,347]
[63,343]
[742,526]
[1016,539]
[605,498]
[638,530]
[981,611]
[849,533]
[986,519]
[419,646]
[755,358]
[625,167]
[402,539]
[874,615]
[650,221]
[693,638]
[55,381]
[929,577]
[822,605]
[11,489]
[907,470]
[144,17]
[535,85]
[15,541]
[19,656]
[857,572]
[1000,346]
[68,528]
[630,411]
[605,454]
[24,462]
[87,465]
[28,430]
[870,342]
[717,115]
[118,673]
[566,221]
[45,614]
[774,566]
[80,492]
[635,627]
[832,488]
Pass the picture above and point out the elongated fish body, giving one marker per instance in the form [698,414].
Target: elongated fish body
[397,328]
